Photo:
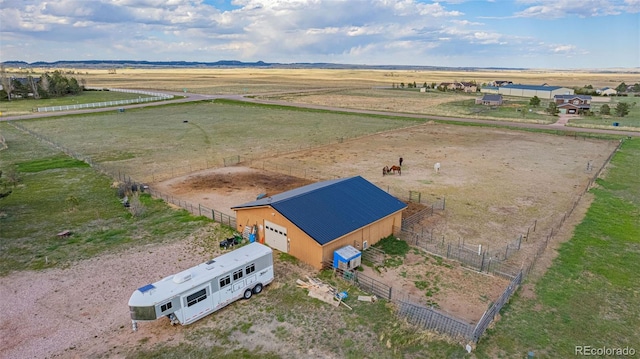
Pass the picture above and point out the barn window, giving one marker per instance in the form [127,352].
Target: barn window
[196,297]
[237,274]
[225,281]
[164,307]
[250,268]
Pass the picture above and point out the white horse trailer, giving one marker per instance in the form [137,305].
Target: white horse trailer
[199,291]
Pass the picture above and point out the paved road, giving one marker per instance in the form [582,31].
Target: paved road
[193,97]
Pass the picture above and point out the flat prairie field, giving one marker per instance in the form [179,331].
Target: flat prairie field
[163,142]
[261,80]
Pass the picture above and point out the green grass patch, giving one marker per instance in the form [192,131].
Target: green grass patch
[393,246]
[286,257]
[58,161]
[589,296]
[23,106]
[599,120]
[57,193]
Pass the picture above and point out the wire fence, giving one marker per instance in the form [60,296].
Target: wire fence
[475,258]
[306,173]
[155,96]
[429,317]
[134,185]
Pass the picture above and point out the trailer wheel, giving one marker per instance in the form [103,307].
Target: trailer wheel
[247,294]
[257,289]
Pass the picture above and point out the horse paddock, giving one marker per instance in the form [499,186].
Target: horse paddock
[496,184]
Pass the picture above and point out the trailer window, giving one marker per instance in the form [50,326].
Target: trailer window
[196,297]
[225,281]
[250,268]
[237,274]
[164,307]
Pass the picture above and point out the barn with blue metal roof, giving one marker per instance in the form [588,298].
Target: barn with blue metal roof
[313,221]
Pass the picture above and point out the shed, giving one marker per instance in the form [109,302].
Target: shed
[347,258]
[313,221]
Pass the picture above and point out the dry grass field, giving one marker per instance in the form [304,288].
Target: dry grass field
[232,81]
[496,184]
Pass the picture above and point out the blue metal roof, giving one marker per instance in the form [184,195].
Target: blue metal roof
[491,97]
[331,209]
[571,97]
[531,87]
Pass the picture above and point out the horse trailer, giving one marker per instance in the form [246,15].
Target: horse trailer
[201,290]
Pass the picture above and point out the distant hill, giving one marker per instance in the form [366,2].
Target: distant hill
[226,63]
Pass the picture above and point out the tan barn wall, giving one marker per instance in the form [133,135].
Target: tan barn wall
[301,245]
[372,233]
[304,247]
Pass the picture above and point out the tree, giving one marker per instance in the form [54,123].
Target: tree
[622,109]
[605,110]
[553,108]
[6,82]
[33,85]
[621,88]
[534,101]
[10,179]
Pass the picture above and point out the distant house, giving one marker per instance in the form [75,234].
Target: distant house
[607,91]
[450,86]
[468,87]
[489,100]
[459,86]
[572,104]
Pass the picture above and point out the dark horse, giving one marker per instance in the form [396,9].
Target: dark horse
[386,170]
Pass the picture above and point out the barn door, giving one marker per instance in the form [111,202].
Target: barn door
[275,236]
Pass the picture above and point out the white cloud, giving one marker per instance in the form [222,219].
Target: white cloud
[347,31]
[554,9]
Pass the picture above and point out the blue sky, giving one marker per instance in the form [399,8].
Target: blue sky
[552,34]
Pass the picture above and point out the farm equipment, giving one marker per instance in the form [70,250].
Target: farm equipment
[231,241]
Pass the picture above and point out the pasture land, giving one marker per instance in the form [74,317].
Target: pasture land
[424,103]
[56,193]
[265,80]
[167,141]
[589,296]
[632,120]
[27,106]
[496,183]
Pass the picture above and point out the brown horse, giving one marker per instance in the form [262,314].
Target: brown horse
[385,170]
[395,169]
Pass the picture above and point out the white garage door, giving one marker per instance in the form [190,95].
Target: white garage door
[275,236]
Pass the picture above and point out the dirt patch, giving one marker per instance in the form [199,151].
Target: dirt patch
[226,187]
